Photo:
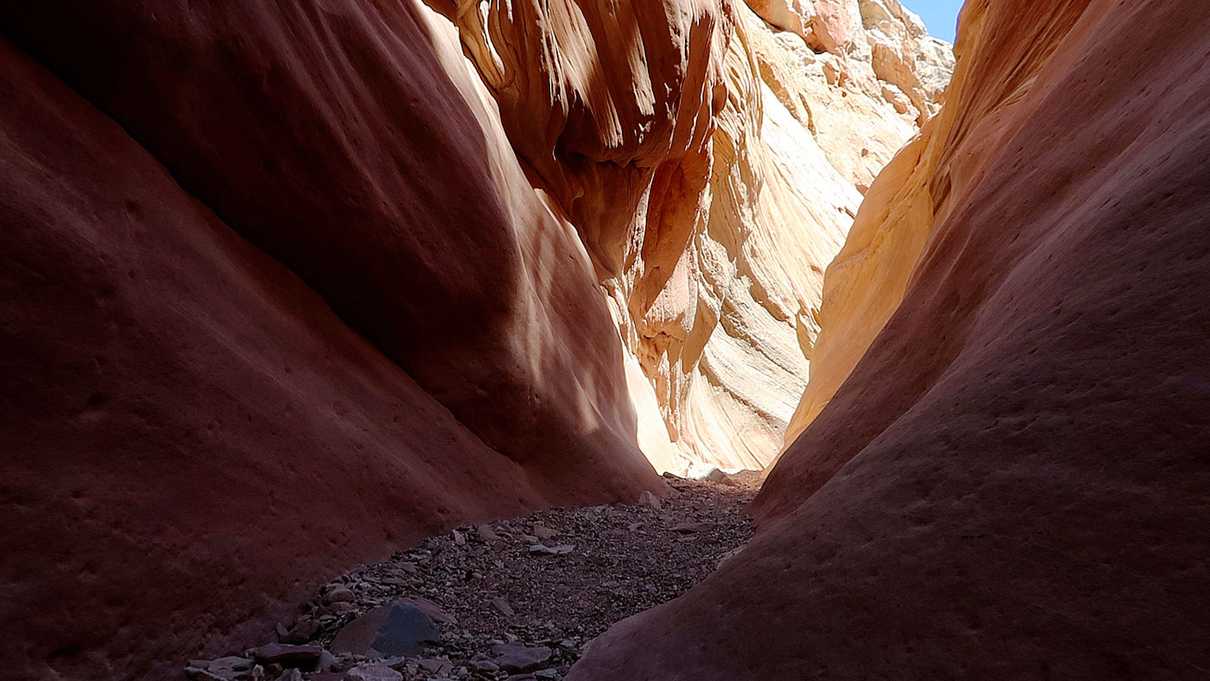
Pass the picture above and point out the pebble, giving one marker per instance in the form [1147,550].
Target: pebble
[626,559]
[486,666]
[558,550]
[514,657]
[340,594]
[651,501]
[373,672]
[288,655]
[223,668]
[435,665]
[543,532]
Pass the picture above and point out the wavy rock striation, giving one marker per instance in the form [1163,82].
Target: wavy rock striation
[185,415]
[710,157]
[293,284]
[1011,482]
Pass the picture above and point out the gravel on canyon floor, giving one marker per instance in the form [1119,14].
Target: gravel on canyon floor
[515,599]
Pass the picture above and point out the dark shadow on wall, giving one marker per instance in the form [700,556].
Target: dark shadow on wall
[261,442]
[336,143]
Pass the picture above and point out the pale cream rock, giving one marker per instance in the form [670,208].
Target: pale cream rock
[711,156]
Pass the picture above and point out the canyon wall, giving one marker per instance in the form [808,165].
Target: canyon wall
[290,286]
[711,160]
[254,333]
[1011,482]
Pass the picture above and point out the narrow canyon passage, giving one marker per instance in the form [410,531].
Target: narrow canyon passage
[517,599]
[297,285]
[586,340]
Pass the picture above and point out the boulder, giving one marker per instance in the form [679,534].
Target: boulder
[515,657]
[398,628]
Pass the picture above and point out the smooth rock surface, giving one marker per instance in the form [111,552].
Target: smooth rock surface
[1011,482]
[288,655]
[274,303]
[398,628]
[512,657]
[372,672]
[292,285]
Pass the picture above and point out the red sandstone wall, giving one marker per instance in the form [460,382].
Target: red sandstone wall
[268,312]
[1013,481]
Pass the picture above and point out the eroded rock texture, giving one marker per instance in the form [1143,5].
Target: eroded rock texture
[711,161]
[290,284]
[1012,482]
[184,417]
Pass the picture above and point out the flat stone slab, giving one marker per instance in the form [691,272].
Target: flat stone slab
[397,628]
[514,657]
[373,672]
[544,550]
[287,655]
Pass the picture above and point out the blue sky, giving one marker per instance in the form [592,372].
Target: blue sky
[939,15]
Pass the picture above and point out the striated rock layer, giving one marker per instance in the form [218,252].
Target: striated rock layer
[1012,481]
[710,157]
[290,285]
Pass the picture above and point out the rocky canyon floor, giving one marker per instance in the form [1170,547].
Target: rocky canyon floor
[516,599]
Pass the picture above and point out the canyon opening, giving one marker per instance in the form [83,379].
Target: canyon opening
[723,340]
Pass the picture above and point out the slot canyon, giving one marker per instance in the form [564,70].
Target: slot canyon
[710,340]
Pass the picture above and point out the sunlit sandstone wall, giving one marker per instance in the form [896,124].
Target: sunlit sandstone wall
[1011,482]
[294,284]
[712,158]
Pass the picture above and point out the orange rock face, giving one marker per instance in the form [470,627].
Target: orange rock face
[711,164]
[270,312]
[292,284]
[1011,480]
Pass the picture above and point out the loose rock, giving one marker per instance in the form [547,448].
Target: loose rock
[543,532]
[373,672]
[286,655]
[340,594]
[544,550]
[651,501]
[512,657]
[399,628]
[502,606]
[224,668]
[435,665]
[491,591]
